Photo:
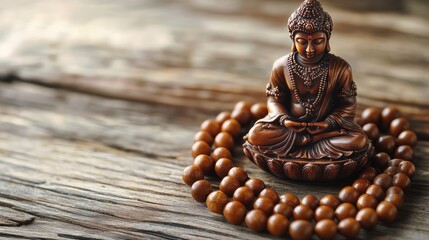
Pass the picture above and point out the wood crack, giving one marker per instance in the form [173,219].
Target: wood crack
[69,236]
[19,236]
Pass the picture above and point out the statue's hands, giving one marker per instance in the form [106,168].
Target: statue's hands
[317,127]
[295,126]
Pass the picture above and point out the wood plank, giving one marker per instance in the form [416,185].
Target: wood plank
[99,101]
[88,166]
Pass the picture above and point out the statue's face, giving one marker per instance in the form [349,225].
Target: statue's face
[310,46]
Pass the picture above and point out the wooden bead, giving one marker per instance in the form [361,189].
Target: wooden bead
[310,201]
[242,105]
[401,180]
[192,174]
[345,210]
[367,218]
[348,195]
[222,167]
[386,144]
[391,170]
[324,212]
[203,136]
[326,229]
[372,131]
[404,152]
[225,140]
[219,153]
[407,168]
[396,199]
[289,199]
[398,125]
[330,200]
[258,111]
[238,173]
[300,230]
[232,127]
[199,148]
[386,211]
[283,209]
[349,227]
[278,225]
[395,190]
[222,117]
[256,220]
[387,116]
[371,115]
[381,161]
[407,137]
[384,180]
[377,191]
[366,201]
[216,201]
[256,185]
[368,173]
[244,195]
[200,190]
[271,194]
[210,126]
[361,184]
[264,204]
[228,185]
[302,212]
[205,163]
[241,115]
[234,212]
[395,162]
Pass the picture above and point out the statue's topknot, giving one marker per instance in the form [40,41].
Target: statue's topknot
[310,18]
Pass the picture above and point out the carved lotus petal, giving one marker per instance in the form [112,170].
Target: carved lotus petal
[311,172]
[363,162]
[348,168]
[275,168]
[331,172]
[248,154]
[292,171]
[260,161]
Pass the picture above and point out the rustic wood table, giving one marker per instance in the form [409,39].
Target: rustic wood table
[99,102]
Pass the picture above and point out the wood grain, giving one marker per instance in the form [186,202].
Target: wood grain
[99,102]
[108,170]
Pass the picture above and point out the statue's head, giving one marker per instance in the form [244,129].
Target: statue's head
[310,29]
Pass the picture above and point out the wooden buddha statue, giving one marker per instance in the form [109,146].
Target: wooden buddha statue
[309,132]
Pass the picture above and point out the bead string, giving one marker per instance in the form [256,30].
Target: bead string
[374,196]
[323,68]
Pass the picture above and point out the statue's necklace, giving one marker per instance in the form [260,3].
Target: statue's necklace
[309,73]
[321,71]
[374,196]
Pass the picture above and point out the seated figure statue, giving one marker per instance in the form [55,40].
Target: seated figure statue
[309,132]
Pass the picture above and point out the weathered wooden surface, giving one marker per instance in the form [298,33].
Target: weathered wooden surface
[77,163]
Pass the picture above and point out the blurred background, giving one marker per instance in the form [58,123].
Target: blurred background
[205,54]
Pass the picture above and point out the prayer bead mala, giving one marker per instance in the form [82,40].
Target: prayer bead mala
[374,196]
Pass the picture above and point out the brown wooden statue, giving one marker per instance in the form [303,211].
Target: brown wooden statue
[309,132]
